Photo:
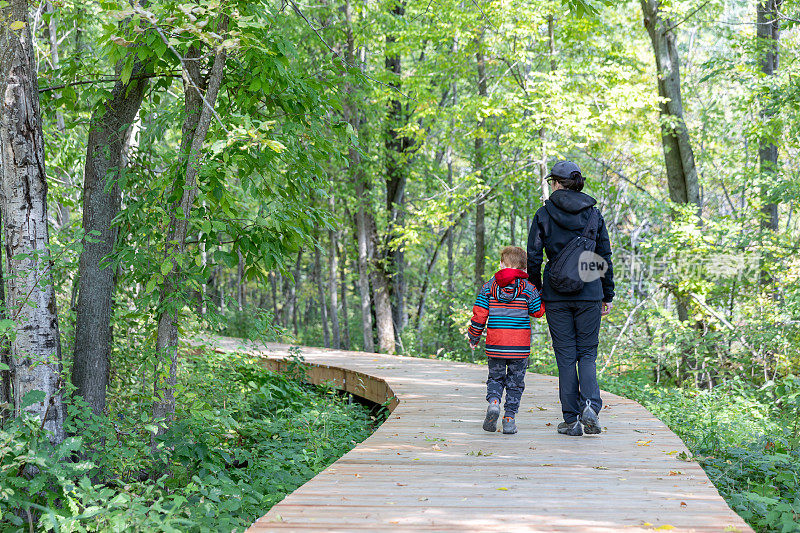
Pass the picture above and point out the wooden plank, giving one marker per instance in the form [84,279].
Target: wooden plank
[430,466]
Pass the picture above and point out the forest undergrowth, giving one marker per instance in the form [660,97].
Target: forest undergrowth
[243,439]
[744,436]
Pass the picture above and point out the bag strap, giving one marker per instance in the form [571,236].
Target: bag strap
[590,231]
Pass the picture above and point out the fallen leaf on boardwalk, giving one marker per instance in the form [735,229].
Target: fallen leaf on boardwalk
[417,459]
[522,477]
[357,475]
[664,527]
[479,453]
[423,499]
[600,467]
[456,420]
[622,478]
[502,488]
[436,448]
[673,452]
[646,524]
[402,484]
[532,448]
[546,464]
[683,504]
[675,472]
[278,518]
[548,424]
[643,442]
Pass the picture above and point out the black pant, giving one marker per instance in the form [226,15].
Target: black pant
[574,327]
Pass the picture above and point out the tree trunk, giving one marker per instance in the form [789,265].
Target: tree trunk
[551,52]
[202,296]
[323,307]
[383,306]
[768,35]
[274,281]
[361,187]
[364,260]
[195,128]
[397,146]
[678,155]
[109,131]
[30,298]
[63,216]
[480,207]
[343,288]
[450,263]
[6,392]
[240,282]
[290,310]
[333,268]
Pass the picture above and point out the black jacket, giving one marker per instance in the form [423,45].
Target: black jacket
[562,218]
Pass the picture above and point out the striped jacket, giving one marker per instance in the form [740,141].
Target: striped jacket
[504,307]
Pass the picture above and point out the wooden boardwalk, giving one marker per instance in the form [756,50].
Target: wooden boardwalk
[430,466]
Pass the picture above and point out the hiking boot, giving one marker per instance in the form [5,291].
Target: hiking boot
[509,425]
[573,429]
[590,421]
[492,414]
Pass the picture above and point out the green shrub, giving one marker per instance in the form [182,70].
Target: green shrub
[243,438]
[745,439]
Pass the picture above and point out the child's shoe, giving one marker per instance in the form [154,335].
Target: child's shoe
[509,425]
[492,414]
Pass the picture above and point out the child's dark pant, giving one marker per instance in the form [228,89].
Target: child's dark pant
[508,374]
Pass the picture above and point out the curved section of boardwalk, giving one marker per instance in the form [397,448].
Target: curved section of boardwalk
[430,466]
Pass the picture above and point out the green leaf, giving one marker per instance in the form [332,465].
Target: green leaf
[17,25]
[127,70]
[151,285]
[166,267]
[34,396]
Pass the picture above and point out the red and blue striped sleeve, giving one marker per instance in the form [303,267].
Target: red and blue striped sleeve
[535,305]
[480,314]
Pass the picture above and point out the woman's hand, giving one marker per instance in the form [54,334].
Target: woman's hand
[607,306]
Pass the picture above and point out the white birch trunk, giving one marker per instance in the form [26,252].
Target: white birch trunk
[30,297]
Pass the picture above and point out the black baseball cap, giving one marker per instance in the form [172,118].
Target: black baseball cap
[563,169]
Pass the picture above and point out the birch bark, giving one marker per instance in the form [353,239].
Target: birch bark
[30,297]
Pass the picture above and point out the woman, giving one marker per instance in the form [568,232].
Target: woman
[574,317]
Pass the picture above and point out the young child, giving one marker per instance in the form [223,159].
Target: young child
[504,307]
